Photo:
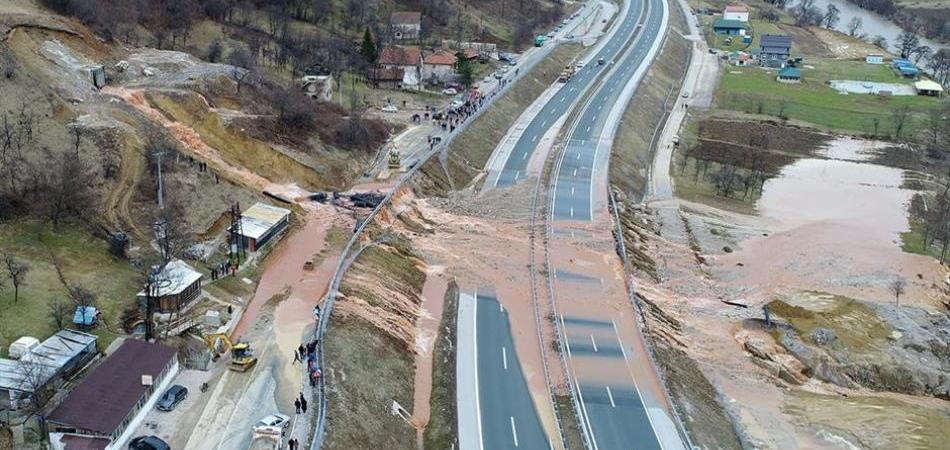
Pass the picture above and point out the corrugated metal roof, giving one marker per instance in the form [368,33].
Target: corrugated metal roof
[107,395]
[260,218]
[775,40]
[928,85]
[39,364]
[730,24]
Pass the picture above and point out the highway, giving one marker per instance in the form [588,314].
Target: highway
[495,406]
[516,164]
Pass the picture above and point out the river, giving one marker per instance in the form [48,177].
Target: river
[873,24]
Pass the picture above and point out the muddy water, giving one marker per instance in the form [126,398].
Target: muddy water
[836,226]
[427,331]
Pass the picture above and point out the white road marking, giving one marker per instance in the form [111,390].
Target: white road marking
[611,397]
[514,432]
[504,357]
[578,155]
[544,123]
[517,174]
[575,173]
[572,212]
[588,130]
[572,191]
[622,351]
[524,155]
[535,138]
[593,342]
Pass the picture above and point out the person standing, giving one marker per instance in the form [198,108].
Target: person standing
[303,404]
[296,357]
[297,405]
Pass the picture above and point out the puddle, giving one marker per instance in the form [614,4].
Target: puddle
[865,197]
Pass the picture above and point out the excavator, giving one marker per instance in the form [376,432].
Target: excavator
[242,357]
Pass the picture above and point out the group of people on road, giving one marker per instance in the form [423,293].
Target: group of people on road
[222,270]
[300,404]
[293,444]
[310,352]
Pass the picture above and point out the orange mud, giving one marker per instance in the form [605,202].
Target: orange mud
[427,331]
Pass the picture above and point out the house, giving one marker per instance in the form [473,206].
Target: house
[905,68]
[729,27]
[385,78]
[408,59]
[789,75]
[176,285]
[406,26]
[739,13]
[928,87]
[102,412]
[439,67]
[318,87]
[739,59]
[261,223]
[874,59]
[34,374]
[774,49]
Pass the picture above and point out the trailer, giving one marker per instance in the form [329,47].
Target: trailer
[567,73]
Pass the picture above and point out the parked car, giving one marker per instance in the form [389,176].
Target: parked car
[600,61]
[172,397]
[551,34]
[390,109]
[579,66]
[498,75]
[148,443]
[571,36]
[685,94]
[449,91]
[512,62]
[712,50]
[487,79]
[503,69]
[274,420]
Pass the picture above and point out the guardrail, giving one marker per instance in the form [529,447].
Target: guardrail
[345,260]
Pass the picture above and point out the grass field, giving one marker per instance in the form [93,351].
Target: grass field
[754,90]
[83,260]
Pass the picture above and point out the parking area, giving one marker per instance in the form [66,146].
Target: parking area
[174,427]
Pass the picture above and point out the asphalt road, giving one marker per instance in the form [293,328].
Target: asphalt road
[508,417]
[573,186]
[562,101]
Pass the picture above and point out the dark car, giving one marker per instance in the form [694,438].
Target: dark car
[148,443]
[172,397]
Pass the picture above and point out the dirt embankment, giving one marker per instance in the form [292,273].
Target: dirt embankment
[370,346]
[469,152]
[633,148]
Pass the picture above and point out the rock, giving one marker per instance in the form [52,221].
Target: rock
[147,71]
[895,335]
[758,348]
[823,336]
[122,65]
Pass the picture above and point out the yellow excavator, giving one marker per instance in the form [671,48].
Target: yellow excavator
[242,357]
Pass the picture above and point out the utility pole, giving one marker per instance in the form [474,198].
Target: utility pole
[236,238]
[161,195]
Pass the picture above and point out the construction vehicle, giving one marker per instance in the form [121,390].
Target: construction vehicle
[539,40]
[567,73]
[242,357]
[395,159]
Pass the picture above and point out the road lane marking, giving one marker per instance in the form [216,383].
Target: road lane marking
[517,173]
[514,432]
[504,357]
[572,211]
[575,173]
[617,332]
[588,130]
[535,138]
[524,155]
[611,397]
[593,342]
[544,123]
[572,191]
[478,403]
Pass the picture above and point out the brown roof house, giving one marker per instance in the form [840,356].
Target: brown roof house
[406,25]
[408,59]
[439,67]
[103,411]
[385,78]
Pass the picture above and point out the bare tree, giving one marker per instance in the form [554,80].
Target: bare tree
[899,117]
[879,41]
[854,26]
[17,271]
[831,17]
[60,310]
[243,64]
[66,188]
[898,287]
[907,41]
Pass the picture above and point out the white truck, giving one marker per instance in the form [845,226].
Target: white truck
[267,438]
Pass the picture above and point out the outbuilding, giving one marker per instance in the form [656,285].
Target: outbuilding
[406,25]
[774,50]
[261,224]
[31,377]
[874,59]
[790,75]
[929,88]
[176,285]
[108,404]
[729,27]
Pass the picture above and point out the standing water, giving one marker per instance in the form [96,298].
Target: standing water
[873,24]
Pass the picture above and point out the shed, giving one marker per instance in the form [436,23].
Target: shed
[928,87]
[22,345]
[261,223]
[44,366]
[176,285]
[729,27]
[406,25]
[874,59]
[790,75]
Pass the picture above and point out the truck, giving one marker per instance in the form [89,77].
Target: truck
[567,73]
[539,40]
[267,438]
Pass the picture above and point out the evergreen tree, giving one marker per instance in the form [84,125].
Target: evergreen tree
[464,69]
[368,49]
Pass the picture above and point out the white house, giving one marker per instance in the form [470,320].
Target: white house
[406,25]
[736,12]
[874,59]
